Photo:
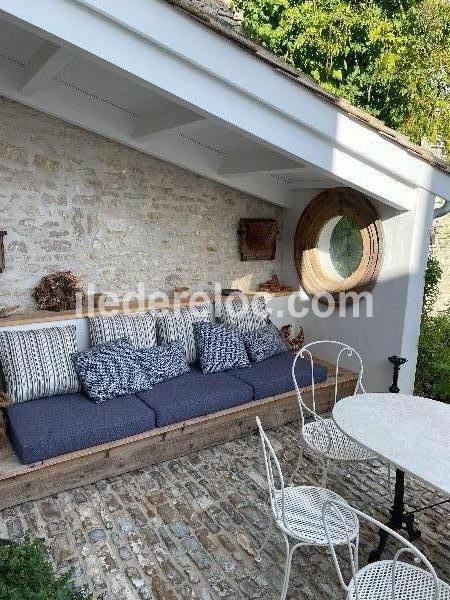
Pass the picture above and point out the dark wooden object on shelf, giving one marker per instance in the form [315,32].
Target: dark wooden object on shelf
[2,250]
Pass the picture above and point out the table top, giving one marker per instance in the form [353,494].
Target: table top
[411,433]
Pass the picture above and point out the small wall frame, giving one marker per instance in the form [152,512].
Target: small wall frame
[2,251]
[258,239]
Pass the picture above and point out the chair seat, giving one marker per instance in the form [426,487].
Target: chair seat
[412,583]
[341,447]
[303,515]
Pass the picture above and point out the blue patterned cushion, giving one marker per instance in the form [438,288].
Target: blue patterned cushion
[263,343]
[110,370]
[219,347]
[163,362]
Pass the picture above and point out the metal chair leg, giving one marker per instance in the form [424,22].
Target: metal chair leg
[297,467]
[355,547]
[287,571]
[325,474]
[265,542]
[390,488]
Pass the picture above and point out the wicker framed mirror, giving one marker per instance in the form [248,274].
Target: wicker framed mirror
[338,244]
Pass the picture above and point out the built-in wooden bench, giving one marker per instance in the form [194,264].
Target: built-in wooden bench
[21,483]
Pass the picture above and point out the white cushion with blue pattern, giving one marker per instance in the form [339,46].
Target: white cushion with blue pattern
[175,325]
[219,347]
[138,328]
[36,363]
[244,314]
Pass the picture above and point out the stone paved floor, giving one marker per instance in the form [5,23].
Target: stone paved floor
[186,529]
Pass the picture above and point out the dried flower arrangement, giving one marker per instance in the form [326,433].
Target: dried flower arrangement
[58,292]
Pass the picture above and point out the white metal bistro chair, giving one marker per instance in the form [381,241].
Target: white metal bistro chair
[297,512]
[384,579]
[321,435]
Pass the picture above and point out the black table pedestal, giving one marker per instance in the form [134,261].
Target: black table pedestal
[399,519]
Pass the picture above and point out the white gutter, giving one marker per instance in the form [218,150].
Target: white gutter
[443,210]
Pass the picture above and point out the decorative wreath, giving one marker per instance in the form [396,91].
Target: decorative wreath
[57,292]
[327,208]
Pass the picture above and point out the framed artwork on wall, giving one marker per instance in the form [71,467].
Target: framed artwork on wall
[258,239]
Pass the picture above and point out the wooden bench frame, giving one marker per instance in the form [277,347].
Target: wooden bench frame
[48,477]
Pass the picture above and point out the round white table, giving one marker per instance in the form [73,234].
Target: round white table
[412,433]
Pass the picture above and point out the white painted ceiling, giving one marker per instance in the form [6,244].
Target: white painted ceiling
[84,91]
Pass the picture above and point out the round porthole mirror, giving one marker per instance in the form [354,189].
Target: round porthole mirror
[340,247]
[338,243]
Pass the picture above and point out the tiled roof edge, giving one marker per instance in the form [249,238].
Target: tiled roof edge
[306,81]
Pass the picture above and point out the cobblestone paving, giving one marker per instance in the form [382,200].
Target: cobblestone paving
[187,529]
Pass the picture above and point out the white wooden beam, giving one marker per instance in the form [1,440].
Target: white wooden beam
[47,61]
[257,161]
[116,34]
[166,118]
[312,184]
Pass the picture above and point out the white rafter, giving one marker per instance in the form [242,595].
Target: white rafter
[47,61]
[163,120]
[257,161]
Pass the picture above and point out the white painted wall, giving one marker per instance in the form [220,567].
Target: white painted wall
[397,296]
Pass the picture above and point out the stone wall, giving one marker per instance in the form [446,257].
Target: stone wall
[441,247]
[70,199]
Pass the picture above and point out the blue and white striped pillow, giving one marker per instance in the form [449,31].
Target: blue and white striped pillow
[244,314]
[37,363]
[138,328]
[176,325]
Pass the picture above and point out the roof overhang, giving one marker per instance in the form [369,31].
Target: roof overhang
[290,138]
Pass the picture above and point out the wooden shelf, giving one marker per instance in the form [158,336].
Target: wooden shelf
[271,294]
[44,316]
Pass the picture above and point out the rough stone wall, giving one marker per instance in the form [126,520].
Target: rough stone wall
[441,247]
[70,199]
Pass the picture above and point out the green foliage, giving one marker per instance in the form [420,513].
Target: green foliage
[388,57]
[26,574]
[433,364]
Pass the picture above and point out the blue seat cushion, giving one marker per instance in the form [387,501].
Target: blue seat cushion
[49,427]
[194,395]
[273,376]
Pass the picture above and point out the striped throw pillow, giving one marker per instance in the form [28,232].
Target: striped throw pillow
[37,363]
[246,315]
[138,328]
[176,325]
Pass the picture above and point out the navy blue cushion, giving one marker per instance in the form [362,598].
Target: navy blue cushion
[274,375]
[49,427]
[219,347]
[194,395]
